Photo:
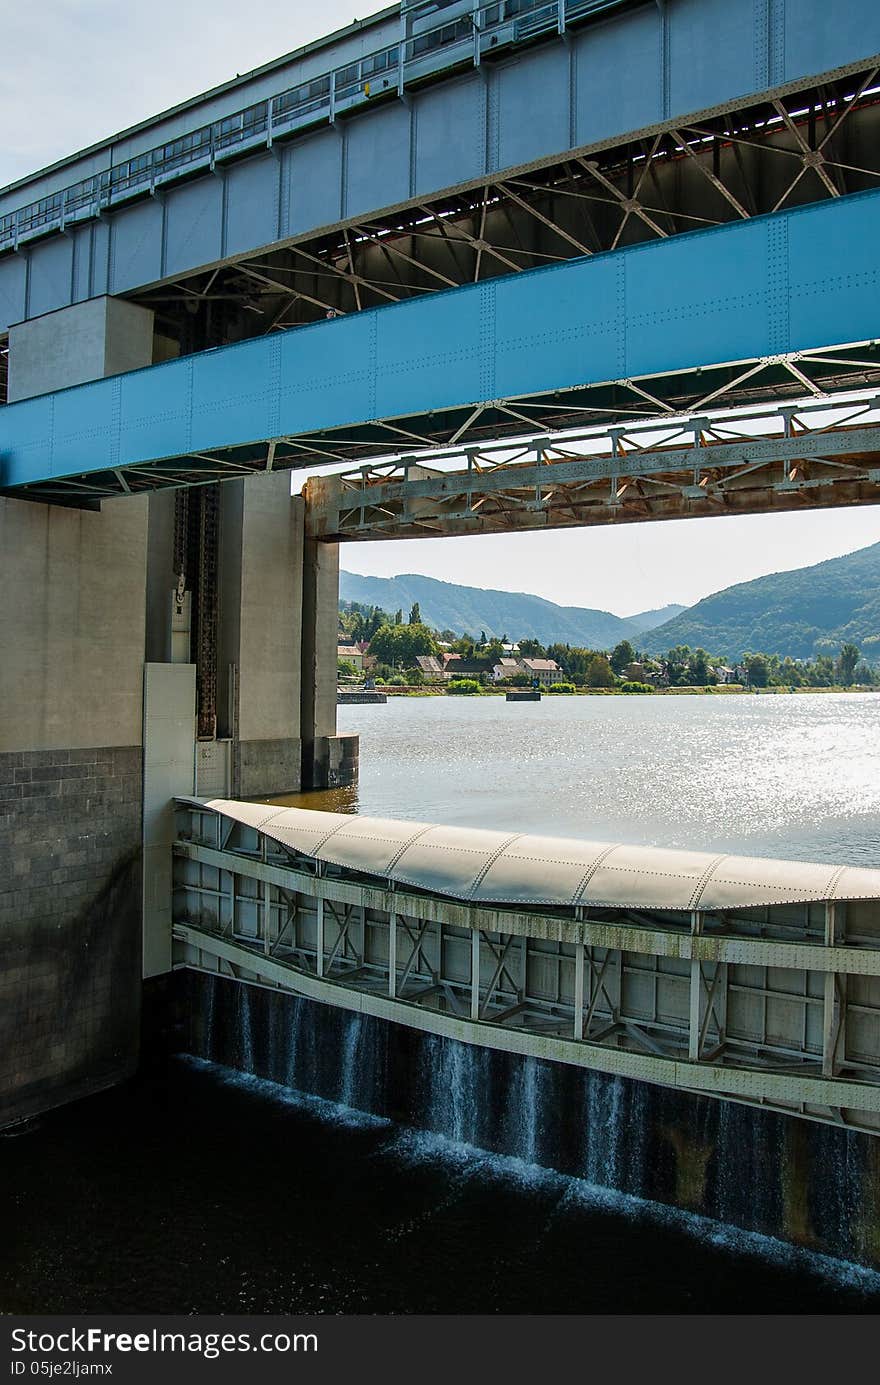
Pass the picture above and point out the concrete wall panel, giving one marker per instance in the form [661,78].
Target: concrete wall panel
[71,625]
[103,336]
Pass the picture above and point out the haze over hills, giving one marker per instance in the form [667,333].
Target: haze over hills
[471,610]
[813,610]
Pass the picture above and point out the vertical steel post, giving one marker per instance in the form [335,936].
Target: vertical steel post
[392,955]
[833,1011]
[578,990]
[475,974]
[696,1011]
[319,959]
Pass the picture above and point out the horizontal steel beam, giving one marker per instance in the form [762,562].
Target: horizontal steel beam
[827,466]
[772,1088]
[740,299]
[761,952]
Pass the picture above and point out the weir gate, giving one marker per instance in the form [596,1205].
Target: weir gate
[753,980]
[452,230]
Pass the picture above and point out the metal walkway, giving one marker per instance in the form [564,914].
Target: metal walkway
[751,980]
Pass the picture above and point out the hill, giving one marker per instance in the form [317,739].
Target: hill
[648,620]
[470,610]
[813,610]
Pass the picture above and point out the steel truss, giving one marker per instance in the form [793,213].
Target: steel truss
[827,374]
[817,143]
[774,1007]
[793,457]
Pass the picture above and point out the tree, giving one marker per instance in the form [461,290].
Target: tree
[699,669]
[849,657]
[415,614]
[600,673]
[758,670]
[622,656]
[402,644]
[531,649]
[398,617]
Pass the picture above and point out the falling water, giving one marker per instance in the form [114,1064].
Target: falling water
[245,1028]
[209,993]
[604,1131]
[452,1088]
[527,1107]
[748,1168]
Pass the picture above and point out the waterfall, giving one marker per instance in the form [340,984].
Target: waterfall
[604,1134]
[245,1029]
[351,1069]
[208,1004]
[755,1169]
[452,1081]
[526,1111]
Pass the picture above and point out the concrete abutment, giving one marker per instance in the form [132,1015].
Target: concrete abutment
[88,600]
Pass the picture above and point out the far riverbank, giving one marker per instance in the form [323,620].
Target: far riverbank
[711,690]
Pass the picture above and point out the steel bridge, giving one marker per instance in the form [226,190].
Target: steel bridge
[789,458]
[500,265]
[750,980]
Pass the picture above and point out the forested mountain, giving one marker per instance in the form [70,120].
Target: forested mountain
[813,610]
[471,610]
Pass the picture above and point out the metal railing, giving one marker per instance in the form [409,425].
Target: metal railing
[464,38]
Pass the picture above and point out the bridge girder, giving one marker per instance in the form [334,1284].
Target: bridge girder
[817,143]
[747,463]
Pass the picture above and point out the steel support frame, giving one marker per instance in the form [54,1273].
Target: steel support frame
[688,174]
[799,456]
[495,989]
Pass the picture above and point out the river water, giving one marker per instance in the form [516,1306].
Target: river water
[794,775]
[323,1163]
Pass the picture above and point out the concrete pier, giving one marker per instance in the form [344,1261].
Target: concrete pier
[72,635]
[88,768]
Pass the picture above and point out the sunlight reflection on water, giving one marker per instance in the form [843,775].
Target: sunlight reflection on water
[782,775]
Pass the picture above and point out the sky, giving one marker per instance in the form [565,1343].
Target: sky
[75,71]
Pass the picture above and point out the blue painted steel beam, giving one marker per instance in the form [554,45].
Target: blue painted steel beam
[626,71]
[799,281]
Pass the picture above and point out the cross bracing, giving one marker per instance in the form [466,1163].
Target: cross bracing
[799,456]
[812,145]
[737,314]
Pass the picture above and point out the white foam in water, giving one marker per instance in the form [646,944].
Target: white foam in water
[332,1112]
[472,1164]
